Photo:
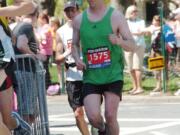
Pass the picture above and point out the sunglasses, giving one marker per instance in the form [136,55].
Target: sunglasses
[134,11]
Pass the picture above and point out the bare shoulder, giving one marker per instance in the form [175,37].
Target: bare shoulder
[118,20]
[77,21]
[117,16]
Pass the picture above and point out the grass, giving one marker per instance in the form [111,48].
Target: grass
[54,74]
[148,82]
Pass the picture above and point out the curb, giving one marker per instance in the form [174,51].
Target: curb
[127,99]
[151,99]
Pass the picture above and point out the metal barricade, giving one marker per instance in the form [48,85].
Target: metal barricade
[31,93]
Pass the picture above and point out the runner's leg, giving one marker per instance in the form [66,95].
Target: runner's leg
[111,107]
[92,105]
[80,120]
[6,102]
[3,129]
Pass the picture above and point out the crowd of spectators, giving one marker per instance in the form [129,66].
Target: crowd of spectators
[38,34]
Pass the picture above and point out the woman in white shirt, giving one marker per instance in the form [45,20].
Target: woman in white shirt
[134,60]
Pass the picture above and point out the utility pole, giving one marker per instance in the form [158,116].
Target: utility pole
[161,9]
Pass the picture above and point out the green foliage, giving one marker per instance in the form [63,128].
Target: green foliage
[59,8]
[148,83]
[9,2]
[54,74]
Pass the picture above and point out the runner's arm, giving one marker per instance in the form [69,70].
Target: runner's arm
[22,44]
[19,8]
[122,35]
[76,38]
[76,43]
[59,49]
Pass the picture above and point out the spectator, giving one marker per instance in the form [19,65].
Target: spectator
[73,76]
[169,38]
[54,88]
[11,119]
[45,39]
[104,34]
[55,24]
[26,44]
[177,32]
[153,30]
[134,60]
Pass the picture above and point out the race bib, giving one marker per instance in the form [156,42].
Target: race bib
[99,57]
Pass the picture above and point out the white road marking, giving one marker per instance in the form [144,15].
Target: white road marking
[165,123]
[61,115]
[153,127]
[157,133]
[58,118]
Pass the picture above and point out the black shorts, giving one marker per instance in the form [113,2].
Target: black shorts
[114,87]
[74,91]
[8,82]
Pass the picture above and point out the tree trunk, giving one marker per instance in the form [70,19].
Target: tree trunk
[49,5]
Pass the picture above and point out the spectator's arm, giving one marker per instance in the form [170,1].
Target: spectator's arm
[22,44]
[18,9]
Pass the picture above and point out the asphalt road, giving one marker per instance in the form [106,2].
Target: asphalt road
[136,116]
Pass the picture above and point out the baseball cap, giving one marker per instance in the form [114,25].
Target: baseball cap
[69,4]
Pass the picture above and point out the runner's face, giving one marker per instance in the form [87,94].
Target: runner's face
[92,3]
[95,3]
[70,13]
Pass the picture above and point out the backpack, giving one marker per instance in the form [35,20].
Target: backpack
[169,40]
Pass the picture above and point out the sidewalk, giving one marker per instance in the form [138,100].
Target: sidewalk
[128,98]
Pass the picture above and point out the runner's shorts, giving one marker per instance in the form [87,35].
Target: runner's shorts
[74,91]
[114,87]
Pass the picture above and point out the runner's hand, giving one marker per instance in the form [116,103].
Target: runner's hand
[115,39]
[80,64]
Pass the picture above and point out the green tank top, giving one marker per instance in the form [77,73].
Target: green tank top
[104,61]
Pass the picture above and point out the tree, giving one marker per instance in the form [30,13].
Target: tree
[49,5]
[55,7]
[59,8]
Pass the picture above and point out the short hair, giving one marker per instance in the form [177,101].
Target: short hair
[44,16]
[156,17]
[55,20]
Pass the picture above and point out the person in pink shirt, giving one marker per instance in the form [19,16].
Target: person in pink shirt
[45,39]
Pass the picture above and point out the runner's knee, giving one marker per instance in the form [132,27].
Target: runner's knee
[79,113]
[94,118]
[110,116]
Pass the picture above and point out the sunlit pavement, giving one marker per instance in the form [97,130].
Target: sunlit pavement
[137,115]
